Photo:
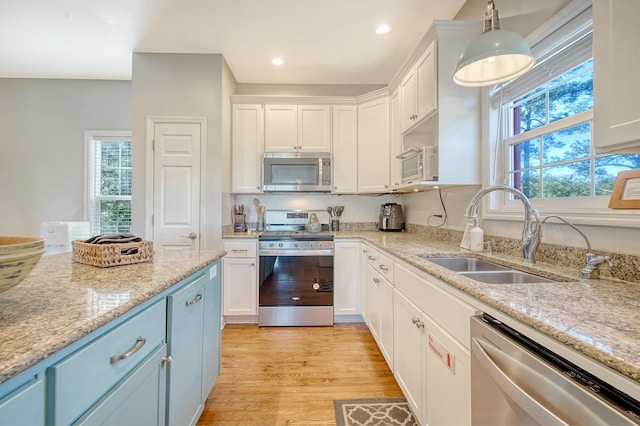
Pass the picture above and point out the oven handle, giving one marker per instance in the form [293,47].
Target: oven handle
[295,252]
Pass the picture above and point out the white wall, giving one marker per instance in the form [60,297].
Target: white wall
[42,163]
[358,208]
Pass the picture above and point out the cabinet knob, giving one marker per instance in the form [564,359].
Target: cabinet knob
[252,264]
[166,360]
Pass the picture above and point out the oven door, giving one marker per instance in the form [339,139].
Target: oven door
[295,288]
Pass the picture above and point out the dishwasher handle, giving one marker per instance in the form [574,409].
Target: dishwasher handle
[481,351]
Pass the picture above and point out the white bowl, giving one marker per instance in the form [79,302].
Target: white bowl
[18,256]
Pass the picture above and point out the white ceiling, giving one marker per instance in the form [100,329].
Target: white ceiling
[321,41]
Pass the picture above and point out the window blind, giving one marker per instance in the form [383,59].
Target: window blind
[566,47]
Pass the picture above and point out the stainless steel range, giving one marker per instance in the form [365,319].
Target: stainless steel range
[296,271]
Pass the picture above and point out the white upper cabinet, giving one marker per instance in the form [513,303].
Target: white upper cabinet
[419,90]
[345,149]
[435,112]
[297,128]
[373,146]
[247,149]
[616,60]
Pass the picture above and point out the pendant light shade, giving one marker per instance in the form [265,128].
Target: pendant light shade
[495,56]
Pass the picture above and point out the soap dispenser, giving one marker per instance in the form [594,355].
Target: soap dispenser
[476,237]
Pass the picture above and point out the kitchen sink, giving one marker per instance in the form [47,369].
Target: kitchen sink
[464,264]
[506,277]
[485,271]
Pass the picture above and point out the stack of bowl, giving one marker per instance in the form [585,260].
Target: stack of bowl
[18,256]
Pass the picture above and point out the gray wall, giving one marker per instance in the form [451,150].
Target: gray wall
[42,148]
[179,85]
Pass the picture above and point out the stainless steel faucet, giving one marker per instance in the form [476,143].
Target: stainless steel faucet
[531,232]
[590,268]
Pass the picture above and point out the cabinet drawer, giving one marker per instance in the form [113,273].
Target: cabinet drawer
[78,381]
[240,248]
[381,263]
[451,313]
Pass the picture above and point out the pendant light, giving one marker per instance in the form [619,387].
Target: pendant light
[495,56]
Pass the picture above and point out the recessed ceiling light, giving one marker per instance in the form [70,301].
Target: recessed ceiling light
[277,61]
[382,29]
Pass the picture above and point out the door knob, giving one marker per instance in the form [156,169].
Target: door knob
[191,236]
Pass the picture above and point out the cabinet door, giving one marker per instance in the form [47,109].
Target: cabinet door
[240,292]
[426,88]
[138,400]
[380,301]
[314,128]
[616,112]
[185,340]
[212,318]
[448,378]
[25,405]
[364,268]
[408,110]
[385,303]
[346,288]
[373,146]
[345,149]
[281,128]
[395,166]
[409,358]
[247,149]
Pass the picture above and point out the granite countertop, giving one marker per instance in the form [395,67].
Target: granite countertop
[61,301]
[595,317]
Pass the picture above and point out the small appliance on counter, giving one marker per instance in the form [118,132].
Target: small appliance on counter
[391,217]
[58,235]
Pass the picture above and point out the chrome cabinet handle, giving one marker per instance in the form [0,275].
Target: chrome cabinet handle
[194,300]
[140,342]
[239,250]
[191,236]
[384,268]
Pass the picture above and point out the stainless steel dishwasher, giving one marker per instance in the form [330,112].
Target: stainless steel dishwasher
[515,381]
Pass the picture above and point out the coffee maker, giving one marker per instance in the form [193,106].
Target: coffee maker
[391,217]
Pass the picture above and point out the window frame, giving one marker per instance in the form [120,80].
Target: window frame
[498,205]
[91,136]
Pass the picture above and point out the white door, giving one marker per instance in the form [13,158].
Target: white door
[176,185]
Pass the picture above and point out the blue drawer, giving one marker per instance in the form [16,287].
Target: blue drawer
[78,381]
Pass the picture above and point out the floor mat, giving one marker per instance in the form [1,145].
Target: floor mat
[373,412]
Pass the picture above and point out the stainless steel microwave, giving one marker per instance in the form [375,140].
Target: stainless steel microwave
[419,164]
[297,172]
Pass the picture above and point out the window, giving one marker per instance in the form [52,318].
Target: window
[545,120]
[109,181]
[549,141]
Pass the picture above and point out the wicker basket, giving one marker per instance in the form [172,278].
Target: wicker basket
[107,255]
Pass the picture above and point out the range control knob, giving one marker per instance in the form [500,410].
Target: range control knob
[296,245]
[270,244]
[280,245]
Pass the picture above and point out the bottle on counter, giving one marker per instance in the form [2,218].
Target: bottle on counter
[476,237]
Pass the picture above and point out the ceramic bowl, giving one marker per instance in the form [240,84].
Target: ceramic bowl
[18,256]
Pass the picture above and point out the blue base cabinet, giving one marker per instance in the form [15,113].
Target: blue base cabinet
[25,405]
[154,365]
[193,337]
[138,400]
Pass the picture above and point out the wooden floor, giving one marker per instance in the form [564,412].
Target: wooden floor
[291,375]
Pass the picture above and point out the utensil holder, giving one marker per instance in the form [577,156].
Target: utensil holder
[335,224]
[239,223]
